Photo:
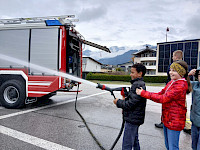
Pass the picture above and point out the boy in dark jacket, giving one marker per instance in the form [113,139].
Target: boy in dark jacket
[133,109]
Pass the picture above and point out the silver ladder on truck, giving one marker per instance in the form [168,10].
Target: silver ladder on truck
[64,19]
[41,21]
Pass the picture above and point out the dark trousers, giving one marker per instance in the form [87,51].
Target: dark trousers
[130,139]
[195,137]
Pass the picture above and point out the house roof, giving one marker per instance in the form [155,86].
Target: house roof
[144,50]
[93,60]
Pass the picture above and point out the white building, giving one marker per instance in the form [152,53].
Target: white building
[90,65]
[126,66]
[107,68]
[147,57]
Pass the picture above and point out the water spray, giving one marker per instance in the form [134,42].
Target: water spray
[40,68]
[123,90]
[53,72]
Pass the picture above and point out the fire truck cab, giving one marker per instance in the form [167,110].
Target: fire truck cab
[51,42]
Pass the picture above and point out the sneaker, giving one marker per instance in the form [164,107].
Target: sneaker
[159,125]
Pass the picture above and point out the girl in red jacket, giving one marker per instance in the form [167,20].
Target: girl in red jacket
[173,98]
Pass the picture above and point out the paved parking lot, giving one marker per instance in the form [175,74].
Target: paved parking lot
[54,124]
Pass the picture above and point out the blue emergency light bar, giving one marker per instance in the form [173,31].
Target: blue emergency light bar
[53,23]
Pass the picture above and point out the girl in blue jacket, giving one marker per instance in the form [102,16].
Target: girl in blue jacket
[195,110]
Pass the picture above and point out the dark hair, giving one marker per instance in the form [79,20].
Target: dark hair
[184,65]
[140,68]
[197,73]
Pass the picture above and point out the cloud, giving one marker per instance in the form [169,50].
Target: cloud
[35,8]
[117,23]
[90,14]
[193,24]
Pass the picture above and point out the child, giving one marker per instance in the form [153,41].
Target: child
[195,110]
[133,109]
[173,98]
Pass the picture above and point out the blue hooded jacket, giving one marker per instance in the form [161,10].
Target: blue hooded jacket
[195,108]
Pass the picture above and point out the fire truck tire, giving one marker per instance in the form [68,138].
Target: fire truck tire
[12,94]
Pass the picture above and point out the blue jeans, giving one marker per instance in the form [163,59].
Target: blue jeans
[171,138]
[195,131]
[130,139]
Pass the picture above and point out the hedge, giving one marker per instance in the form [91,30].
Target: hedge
[125,78]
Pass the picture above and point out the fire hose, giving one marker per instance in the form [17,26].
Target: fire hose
[124,93]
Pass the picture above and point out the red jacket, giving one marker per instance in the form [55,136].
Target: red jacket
[173,98]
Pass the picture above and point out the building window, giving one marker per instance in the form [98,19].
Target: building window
[199,61]
[190,54]
[180,46]
[153,54]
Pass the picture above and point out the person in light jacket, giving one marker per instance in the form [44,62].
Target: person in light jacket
[173,98]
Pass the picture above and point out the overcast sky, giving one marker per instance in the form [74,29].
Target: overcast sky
[117,22]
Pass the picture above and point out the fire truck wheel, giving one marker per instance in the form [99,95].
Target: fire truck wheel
[12,94]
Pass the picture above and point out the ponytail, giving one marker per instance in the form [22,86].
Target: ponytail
[184,64]
[189,84]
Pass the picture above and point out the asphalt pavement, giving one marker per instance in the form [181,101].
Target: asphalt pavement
[54,124]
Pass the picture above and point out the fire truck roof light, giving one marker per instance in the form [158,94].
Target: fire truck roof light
[53,23]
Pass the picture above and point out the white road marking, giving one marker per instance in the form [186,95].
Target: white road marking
[48,106]
[35,140]
[32,140]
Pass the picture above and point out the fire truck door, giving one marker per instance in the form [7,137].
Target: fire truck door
[73,56]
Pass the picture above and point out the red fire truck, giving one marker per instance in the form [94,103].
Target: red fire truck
[51,42]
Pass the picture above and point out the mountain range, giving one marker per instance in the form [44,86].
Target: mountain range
[118,55]
[120,59]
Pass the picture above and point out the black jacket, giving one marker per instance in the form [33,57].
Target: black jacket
[134,105]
